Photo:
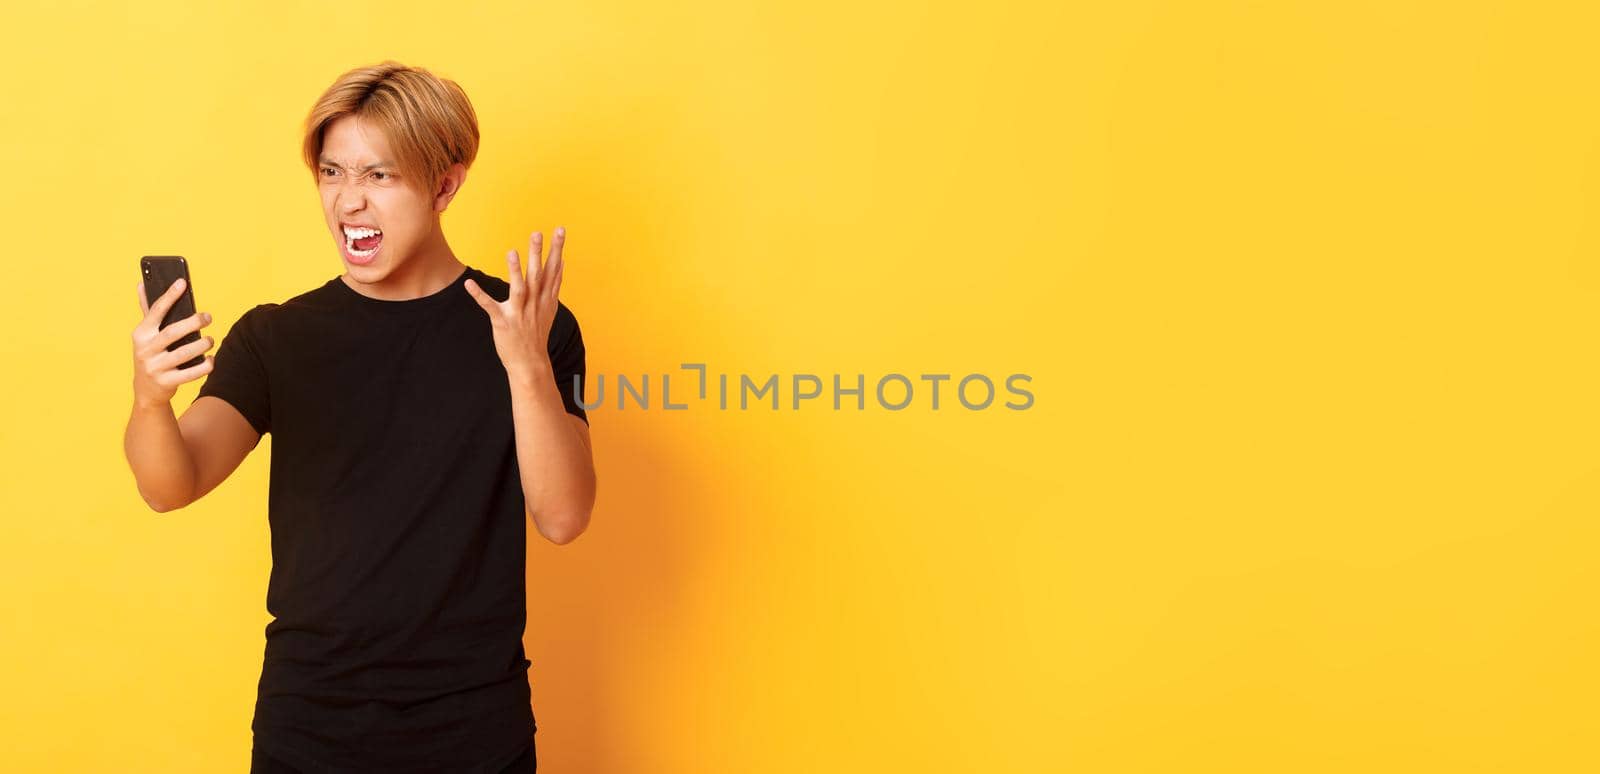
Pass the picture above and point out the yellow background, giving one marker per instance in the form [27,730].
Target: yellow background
[1306,290]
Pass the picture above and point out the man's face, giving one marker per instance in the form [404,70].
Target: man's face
[362,188]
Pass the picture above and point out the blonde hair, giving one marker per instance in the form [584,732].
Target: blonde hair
[428,120]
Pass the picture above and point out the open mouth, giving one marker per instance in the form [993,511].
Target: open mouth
[361,241]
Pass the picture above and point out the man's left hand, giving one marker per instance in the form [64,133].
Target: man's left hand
[522,322]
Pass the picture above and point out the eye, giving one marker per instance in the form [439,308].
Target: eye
[381,175]
[329,169]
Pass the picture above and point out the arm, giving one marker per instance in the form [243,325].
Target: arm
[553,456]
[162,467]
[178,461]
[553,451]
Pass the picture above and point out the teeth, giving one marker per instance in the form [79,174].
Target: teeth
[352,234]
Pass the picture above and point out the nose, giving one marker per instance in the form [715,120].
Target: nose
[350,202]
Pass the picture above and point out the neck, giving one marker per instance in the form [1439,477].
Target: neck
[433,267]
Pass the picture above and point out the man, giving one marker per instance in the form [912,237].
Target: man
[421,410]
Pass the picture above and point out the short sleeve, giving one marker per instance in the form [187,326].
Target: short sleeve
[239,371]
[567,359]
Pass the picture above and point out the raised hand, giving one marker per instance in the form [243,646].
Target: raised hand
[156,375]
[522,322]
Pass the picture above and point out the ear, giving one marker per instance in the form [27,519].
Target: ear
[449,184]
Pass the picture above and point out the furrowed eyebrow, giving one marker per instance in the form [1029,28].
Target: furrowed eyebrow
[329,162]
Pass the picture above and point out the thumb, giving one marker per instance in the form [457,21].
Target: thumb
[485,302]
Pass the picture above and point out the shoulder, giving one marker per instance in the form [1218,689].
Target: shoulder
[253,329]
[260,320]
[255,317]
[565,318]
[264,313]
[322,298]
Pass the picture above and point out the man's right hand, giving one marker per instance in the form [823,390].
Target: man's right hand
[156,375]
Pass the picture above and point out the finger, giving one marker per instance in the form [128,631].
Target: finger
[553,266]
[173,378]
[182,354]
[152,318]
[158,310]
[552,287]
[485,301]
[173,293]
[555,283]
[536,262]
[518,285]
[179,329]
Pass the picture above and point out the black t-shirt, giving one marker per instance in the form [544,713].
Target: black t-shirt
[398,526]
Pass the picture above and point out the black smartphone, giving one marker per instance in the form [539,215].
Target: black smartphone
[160,271]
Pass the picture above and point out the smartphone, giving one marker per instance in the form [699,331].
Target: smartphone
[160,271]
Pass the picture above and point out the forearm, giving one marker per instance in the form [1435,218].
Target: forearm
[161,464]
[557,473]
